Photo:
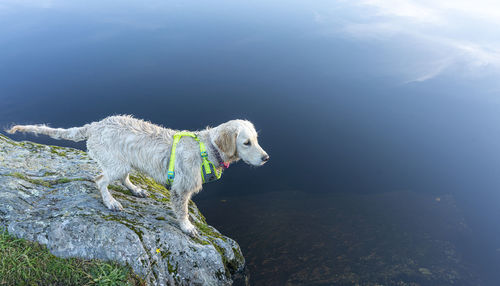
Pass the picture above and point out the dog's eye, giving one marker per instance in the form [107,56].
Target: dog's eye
[247,143]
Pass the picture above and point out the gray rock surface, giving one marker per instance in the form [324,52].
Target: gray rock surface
[47,194]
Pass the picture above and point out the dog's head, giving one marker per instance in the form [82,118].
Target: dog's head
[237,139]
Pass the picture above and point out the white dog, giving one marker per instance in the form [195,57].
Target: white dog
[120,144]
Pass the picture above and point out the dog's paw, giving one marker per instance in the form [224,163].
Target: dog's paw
[113,205]
[140,193]
[189,228]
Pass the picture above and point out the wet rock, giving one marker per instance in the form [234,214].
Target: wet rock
[47,194]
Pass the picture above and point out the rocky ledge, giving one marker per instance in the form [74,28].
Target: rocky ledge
[47,194]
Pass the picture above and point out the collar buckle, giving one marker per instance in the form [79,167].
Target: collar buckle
[170,175]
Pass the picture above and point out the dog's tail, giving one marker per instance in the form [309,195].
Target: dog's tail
[73,134]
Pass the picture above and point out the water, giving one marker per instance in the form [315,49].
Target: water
[381,121]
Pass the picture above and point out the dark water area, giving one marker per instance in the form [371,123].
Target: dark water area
[397,238]
[384,168]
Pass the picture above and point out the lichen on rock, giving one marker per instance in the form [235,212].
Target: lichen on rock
[47,194]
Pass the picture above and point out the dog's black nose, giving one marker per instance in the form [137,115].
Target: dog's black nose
[265,158]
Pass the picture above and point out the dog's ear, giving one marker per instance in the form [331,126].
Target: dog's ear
[226,141]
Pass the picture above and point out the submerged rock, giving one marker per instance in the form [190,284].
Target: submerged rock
[424,271]
[47,194]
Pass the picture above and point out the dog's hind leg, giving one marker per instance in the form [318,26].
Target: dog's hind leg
[111,203]
[136,191]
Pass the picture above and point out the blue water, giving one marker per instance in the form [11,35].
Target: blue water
[352,102]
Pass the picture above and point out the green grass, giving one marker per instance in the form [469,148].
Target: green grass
[27,263]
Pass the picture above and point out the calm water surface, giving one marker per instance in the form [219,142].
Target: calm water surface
[381,121]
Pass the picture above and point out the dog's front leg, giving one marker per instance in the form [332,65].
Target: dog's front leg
[180,200]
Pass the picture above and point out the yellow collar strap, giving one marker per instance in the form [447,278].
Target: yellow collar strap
[209,172]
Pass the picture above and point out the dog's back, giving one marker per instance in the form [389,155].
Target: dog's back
[126,142]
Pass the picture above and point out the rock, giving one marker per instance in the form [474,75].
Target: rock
[47,194]
[424,271]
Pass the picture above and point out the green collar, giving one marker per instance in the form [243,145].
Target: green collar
[209,172]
